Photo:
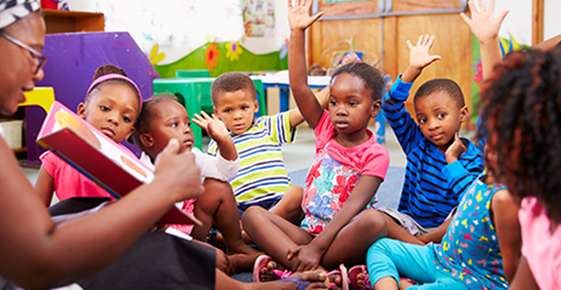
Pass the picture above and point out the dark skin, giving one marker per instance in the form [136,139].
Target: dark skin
[216,206]
[37,256]
[112,108]
[350,108]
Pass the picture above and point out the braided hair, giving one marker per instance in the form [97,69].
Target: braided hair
[522,114]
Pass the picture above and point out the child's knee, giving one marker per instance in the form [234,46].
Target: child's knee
[251,214]
[374,222]
[381,246]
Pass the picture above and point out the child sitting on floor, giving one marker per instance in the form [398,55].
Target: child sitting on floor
[112,104]
[262,178]
[163,118]
[522,117]
[346,172]
[440,164]
[480,250]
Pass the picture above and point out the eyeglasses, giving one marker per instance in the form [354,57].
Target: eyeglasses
[41,59]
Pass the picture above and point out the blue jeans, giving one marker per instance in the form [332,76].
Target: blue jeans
[390,258]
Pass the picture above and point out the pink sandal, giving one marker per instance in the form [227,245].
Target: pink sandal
[353,278]
[344,277]
[262,262]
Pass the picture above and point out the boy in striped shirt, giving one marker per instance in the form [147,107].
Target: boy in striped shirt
[440,164]
[262,178]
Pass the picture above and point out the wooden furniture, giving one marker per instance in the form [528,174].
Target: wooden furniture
[381,35]
[59,21]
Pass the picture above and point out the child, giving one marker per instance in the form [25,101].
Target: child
[480,250]
[521,113]
[163,118]
[262,178]
[348,167]
[441,165]
[112,104]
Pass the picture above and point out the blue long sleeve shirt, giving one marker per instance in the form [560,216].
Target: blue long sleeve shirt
[432,187]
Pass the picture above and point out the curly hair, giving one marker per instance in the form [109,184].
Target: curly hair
[231,82]
[371,76]
[450,87]
[522,114]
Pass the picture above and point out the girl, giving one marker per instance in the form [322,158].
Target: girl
[37,255]
[112,105]
[480,249]
[348,167]
[522,115]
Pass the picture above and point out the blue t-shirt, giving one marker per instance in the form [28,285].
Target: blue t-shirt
[432,187]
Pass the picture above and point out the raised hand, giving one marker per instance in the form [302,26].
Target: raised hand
[483,23]
[212,125]
[299,14]
[419,56]
[455,150]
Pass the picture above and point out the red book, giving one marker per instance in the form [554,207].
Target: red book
[108,164]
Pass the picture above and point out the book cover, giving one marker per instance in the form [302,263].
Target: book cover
[108,164]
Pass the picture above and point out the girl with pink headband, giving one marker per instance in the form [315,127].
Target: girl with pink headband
[112,105]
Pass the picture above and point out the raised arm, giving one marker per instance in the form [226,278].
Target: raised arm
[299,19]
[485,26]
[296,117]
[419,57]
[548,44]
[219,133]
[36,253]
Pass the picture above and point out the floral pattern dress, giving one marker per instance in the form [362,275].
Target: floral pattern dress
[328,185]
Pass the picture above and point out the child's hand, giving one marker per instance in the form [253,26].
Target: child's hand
[307,257]
[419,56]
[483,23]
[178,172]
[455,150]
[299,14]
[213,126]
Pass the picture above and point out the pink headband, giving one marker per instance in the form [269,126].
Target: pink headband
[110,77]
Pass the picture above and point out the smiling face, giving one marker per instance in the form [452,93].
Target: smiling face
[236,109]
[17,69]
[439,117]
[112,108]
[350,106]
[168,120]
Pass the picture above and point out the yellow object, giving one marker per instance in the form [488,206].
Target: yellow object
[43,97]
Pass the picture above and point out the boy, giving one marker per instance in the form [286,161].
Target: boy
[162,119]
[262,178]
[440,164]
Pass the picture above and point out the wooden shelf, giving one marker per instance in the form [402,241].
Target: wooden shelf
[59,21]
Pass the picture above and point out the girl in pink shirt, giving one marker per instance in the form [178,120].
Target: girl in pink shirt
[339,223]
[522,113]
[112,105]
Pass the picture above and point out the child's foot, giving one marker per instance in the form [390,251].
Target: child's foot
[307,280]
[338,279]
[265,269]
[359,278]
[242,262]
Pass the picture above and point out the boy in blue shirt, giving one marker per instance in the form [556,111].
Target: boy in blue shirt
[440,164]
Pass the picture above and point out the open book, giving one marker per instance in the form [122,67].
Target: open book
[108,164]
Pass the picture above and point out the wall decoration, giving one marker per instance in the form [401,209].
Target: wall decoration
[156,56]
[212,55]
[258,18]
[233,51]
